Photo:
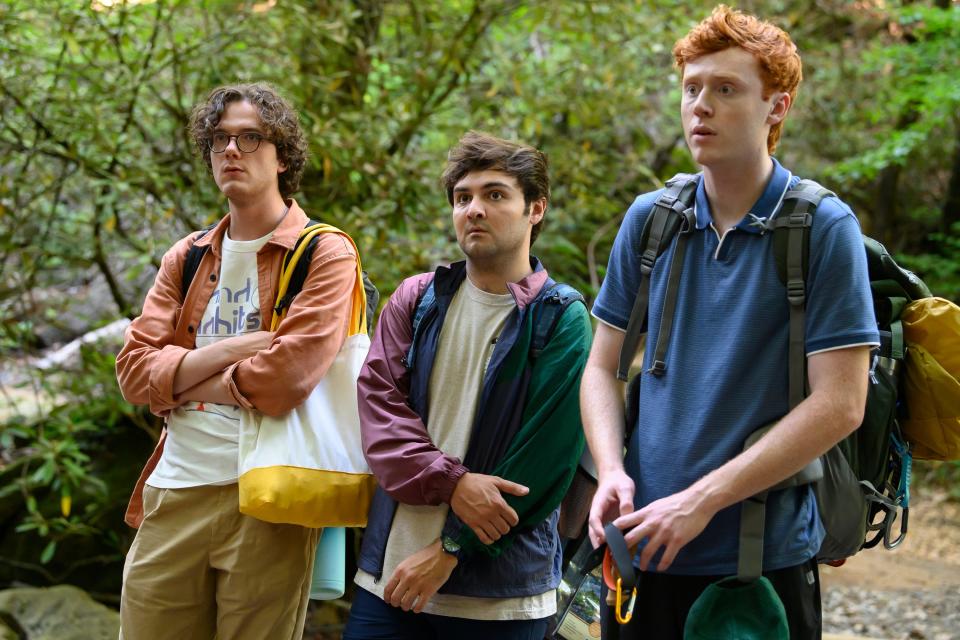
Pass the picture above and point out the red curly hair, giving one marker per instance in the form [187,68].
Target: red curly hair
[780,66]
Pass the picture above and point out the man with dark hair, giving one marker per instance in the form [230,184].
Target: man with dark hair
[197,567]
[528,167]
[470,423]
[678,493]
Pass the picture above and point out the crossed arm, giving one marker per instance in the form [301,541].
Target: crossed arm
[833,410]
[260,370]
[198,376]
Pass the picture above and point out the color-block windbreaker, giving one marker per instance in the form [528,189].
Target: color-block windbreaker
[527,429]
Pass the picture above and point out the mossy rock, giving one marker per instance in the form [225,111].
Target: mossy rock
[58,613]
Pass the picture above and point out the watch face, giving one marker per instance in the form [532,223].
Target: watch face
[449,545]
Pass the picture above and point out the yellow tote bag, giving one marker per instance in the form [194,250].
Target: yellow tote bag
[307,467]
[931,382]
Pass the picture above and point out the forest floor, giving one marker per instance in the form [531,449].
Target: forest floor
[912,592]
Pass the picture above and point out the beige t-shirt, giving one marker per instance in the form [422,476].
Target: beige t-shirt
[470,332]
[202,437]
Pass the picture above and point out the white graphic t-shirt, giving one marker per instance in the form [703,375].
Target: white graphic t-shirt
[201,445]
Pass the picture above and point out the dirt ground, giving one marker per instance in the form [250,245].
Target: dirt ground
[911,592]
[928,558]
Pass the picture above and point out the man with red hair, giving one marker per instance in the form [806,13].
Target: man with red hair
[677,495]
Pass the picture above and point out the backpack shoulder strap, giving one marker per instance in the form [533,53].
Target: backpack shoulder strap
[296,266]
[547,313]
[192,261]
[300,269]
[425,302]
[671,211]
[791,250]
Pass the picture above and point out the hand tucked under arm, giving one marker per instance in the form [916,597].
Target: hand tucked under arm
[210,390]
[408,465]
[200,364]
[477,500]
[418,578]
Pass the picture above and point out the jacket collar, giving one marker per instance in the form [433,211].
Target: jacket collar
[448,279]
[285,235]
[765,207]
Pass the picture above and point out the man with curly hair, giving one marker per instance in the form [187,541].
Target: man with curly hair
[198,356]
[678,493]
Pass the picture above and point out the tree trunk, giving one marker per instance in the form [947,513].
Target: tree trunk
[951,205]
[885,207]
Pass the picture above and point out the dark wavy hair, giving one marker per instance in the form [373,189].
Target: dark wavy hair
[477,151]
[279,119]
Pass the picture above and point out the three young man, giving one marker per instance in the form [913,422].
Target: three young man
[472,433]
[197,567]
[677,493]
[473,437]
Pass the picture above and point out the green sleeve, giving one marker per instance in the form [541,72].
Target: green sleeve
[546,449]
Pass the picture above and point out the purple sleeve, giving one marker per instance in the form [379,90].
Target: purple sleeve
[406,463]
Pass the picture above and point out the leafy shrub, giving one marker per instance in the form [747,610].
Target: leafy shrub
[63,482]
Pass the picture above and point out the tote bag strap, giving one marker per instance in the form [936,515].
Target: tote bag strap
[358,312]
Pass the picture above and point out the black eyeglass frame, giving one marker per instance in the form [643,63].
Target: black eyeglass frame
[237,137]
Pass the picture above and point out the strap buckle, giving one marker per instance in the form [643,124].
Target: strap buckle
[647,259]
[625,617]
[689,222]
[796,292]
[678,206]
[799,219]
[659,368]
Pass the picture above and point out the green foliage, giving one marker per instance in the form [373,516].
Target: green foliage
[51,458]
[941,268]
[98,177]
[919,96]
[878,117]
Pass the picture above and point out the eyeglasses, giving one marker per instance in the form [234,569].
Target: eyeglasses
[246,142]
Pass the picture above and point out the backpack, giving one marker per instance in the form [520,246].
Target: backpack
[547,308]
[195,254]
[862,483]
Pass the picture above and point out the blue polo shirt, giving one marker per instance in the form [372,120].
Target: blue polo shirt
[727,362]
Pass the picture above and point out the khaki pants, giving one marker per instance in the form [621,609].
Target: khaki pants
[199,568]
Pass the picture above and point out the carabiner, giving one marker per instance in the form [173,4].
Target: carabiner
[621,617]
[888,542]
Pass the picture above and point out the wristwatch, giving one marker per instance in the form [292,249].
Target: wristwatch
[451,546]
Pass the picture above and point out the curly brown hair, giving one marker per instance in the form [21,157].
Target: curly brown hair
[478,151]
[780,65]
[277,116]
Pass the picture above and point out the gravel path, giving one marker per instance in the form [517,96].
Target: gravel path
[929,614]
[911,593]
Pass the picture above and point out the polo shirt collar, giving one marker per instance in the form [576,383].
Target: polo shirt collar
[765,207]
